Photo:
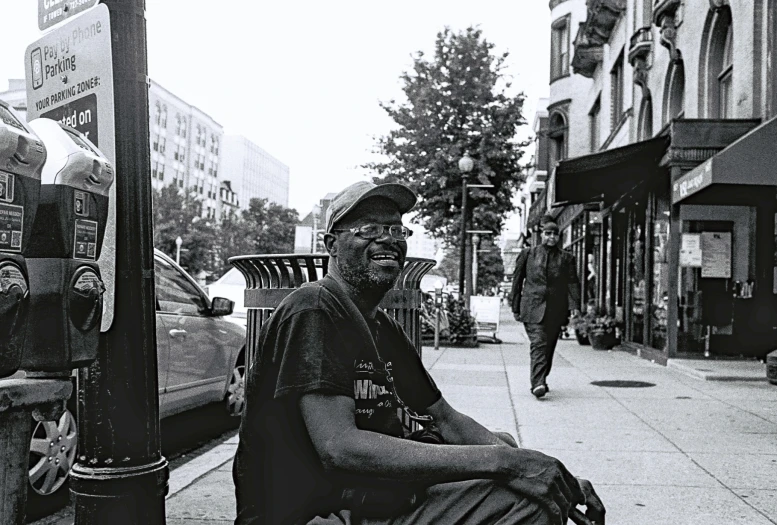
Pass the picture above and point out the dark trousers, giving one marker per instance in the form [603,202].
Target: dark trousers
[543,338]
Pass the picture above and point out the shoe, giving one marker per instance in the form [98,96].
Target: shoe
[547,388]
[539,391]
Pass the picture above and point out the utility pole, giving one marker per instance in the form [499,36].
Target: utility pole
[121,476]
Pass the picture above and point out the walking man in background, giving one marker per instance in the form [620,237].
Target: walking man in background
[545,289]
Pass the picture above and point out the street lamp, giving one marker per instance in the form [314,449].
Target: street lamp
[437,305]
[316,213]
[475,243]
[178,243]
[465,166]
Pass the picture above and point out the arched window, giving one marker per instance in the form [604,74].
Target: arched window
[716,66]
[646,118]
[557,133]
[674,92]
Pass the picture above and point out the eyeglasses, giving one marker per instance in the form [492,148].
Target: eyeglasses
[375,231]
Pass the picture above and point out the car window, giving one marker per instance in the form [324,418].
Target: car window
[174,291]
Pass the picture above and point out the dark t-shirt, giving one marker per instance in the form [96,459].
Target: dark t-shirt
[311,345]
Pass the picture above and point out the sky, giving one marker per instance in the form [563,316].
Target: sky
[304,79]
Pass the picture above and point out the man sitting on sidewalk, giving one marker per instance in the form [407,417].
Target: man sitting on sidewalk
[321,439]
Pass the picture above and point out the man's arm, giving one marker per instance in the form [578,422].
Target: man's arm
[518,277]
[330,421]
[458,428]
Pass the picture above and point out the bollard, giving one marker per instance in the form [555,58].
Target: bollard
[20,399]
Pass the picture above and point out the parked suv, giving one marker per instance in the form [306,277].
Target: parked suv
[200,360]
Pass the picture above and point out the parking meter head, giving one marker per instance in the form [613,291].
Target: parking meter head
[75,185]
[22,155]
[350,197]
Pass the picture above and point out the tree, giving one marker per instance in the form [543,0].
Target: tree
[491,268]
[271,226]
[456,103]
[179,214]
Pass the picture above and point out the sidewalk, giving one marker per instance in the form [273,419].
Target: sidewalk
[685,451]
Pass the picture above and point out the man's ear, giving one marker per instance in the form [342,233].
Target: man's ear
[330,243]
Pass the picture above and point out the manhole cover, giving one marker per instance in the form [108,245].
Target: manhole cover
[623,383]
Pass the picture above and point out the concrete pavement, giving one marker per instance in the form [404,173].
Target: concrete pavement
[681,451]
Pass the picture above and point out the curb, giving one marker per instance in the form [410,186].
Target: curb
[190,472]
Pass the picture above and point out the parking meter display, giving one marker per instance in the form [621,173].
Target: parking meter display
[11,227]
[85,243]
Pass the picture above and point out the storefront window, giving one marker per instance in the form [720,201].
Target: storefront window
[660,296]
[636,273]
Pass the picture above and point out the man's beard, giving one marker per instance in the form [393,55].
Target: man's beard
[367,280]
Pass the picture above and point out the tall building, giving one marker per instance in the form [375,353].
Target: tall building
[671,207]
[254,173]
[185,148]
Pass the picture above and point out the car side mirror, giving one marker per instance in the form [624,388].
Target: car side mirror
[221,306]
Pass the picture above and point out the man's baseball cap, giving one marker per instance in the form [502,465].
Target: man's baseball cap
[549,226]
[346,200]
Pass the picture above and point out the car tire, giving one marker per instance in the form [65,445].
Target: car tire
[235,396]
[52,454]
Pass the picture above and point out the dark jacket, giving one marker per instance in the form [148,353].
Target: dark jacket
[540,296]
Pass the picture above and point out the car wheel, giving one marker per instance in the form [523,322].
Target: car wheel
[52,453]
[236,390]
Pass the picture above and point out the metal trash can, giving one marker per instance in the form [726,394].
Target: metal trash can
[270,278]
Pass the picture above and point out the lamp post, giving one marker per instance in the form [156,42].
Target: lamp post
[178,243]
[438,305]
[465,166]
[475,245]
[314,243]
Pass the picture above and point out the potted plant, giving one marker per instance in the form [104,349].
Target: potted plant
[580,326]
[600,328]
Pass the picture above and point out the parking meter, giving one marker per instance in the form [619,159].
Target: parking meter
[65,284]
[22,155]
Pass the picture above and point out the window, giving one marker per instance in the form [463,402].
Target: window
[163,122]
[595,124]
[175,292]
[557,133]
[161,170]
[155,142]
[157,113]
[674,93]
[725,96]
[645,129]
[616,90]
[559,45]
[162,144]
[154,169]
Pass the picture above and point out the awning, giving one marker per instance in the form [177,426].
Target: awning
[608,175]
[751,160]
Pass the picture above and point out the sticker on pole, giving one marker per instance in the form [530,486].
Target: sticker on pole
[11,227]
[52,12]
[69,74]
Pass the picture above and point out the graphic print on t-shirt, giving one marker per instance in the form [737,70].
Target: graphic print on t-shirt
[376,407]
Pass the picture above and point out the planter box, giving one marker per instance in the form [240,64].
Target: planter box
[602,340]
[582,338]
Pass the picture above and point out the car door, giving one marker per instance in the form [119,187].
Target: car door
[198,357]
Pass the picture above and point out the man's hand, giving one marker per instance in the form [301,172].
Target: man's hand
[594,508]
[517,316]
[546,480]
[575,313]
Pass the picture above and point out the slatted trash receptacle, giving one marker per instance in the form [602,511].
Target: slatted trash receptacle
[270,278]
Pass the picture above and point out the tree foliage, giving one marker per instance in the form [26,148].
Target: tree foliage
[456,103]
[263,228]
[491,268]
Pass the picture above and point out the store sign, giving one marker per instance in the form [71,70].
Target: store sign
[692,182]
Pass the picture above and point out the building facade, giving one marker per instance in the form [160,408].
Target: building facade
[674,202]
[185,147]
[253,172]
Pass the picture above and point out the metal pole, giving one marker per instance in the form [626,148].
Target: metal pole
[121,476]
[475,244]
[463,240]
[437,328]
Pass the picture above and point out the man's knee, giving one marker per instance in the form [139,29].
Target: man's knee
[507,438]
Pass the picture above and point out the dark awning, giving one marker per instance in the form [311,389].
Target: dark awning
[750,160]
[608,175]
